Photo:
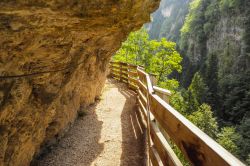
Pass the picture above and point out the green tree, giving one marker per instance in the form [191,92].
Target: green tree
[195,94]
[235,92]
[212,81]
[228,139]
[165,60]
[135,49]
[178,102]
[244,143]
[203,118]
[158,57]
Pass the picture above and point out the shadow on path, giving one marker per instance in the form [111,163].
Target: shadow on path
[111,134]
[133,130]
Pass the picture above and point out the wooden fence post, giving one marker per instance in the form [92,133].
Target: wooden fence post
[164,123]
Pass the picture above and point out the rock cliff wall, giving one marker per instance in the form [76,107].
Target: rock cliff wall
[168,20]
[217,28]
[53,60]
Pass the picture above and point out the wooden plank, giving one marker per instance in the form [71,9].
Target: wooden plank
[124,66]
[117,78]
[124,71]
[142,83]
[142,118]
[132,74]
[114,63]
[154,157]
[143,98]
[142,75]
[118,63]
[142,102]
[115,75]
[149,85]
[162,91]
[143,109]
[167,155]
[115,71]
[133,80]
[116,67]
[132,67]
[133,87]
[124,75]
[124,79]
[198,147]
[142,87]
[124,63]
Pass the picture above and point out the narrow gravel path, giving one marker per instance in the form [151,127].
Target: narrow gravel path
[110,134]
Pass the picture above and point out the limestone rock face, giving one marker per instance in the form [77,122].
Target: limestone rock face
[53,60]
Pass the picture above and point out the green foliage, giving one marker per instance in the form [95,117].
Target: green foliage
[208,27]
[248,160]
[158,57]
[170,84]
[226,5]
[178,102]
[180,155]
[193,9]
[212,14]
[244,143]
[165,59]
[197,103]
[212,11]
[193,38]
[228,139]
[203,118]
[198,88]
[235,91]
[211,79]
[134,49]
[194,96]
[224,71]
[189,103]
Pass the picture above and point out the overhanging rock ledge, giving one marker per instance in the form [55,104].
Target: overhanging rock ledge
[59,52]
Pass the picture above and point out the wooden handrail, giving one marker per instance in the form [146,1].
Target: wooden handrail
[162,91]
[164,123]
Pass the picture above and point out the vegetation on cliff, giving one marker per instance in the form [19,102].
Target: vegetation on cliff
[213,41]
[162,59]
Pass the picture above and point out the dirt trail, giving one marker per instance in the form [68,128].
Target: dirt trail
[110,134]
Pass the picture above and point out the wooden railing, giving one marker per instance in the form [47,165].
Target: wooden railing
[166,126]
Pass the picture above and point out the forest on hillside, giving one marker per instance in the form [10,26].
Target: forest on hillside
[200,50]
